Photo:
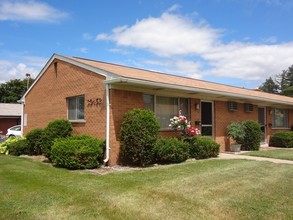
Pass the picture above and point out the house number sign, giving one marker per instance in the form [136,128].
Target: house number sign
[96,101]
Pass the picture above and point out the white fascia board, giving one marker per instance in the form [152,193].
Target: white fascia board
[193,89]
[71,61]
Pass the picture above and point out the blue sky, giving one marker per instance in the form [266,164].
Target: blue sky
[235,42]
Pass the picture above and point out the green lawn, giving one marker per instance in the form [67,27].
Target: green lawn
[206,189]
[285,154]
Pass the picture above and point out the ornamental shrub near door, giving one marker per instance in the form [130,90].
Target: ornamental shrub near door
[252,135]
[171,150]
[203,147]
[138,135]
[282,139]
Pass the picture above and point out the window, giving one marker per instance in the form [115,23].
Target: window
[166,107]
[280,118]
[76,108]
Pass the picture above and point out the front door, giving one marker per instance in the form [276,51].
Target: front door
[262,123]
[207,128]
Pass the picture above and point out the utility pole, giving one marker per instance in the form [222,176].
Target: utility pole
[28,76]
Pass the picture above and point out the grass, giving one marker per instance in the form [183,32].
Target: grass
[284,154]
[207,189]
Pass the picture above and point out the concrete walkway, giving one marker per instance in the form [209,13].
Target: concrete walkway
[229,156]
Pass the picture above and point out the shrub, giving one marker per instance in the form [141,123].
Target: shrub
[59,128]
[235,130]
[138,135]
[77,152]
[282,139]
[170,150]
[18,147]
[34,141]
[252,135]
[203,147]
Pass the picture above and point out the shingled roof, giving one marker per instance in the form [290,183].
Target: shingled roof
[10,110]
[116,74]
[190,83]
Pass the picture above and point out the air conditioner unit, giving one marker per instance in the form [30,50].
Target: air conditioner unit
[248,107]
[232,106]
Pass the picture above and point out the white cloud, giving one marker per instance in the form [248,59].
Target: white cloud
[29,11]
[182,41]
[165,36]
[17,69]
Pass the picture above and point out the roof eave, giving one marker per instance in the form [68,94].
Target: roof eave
[193,89]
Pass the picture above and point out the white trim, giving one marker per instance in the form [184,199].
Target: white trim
[192,89]
[107,124]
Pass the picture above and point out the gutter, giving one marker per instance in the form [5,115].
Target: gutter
[193,89]
[107,125]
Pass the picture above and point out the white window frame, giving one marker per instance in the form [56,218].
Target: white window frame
[285,121]
[76,118]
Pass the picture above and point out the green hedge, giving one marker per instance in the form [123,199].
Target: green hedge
[34,141]
[138,135]
[252,135]
[203,147]
[282,139]
[170,150]
[77,152]
[18,147]
[59,128]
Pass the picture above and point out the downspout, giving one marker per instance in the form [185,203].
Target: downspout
[22,116]
[107,125]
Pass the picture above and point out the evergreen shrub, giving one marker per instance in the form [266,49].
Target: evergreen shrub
[138,135]
[282,139]
[77,152]
[60,128]
[203,147]
[252,135]
[18,147]
[170,150]
[34,141]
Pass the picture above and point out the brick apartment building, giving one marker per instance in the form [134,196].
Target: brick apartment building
[94,96]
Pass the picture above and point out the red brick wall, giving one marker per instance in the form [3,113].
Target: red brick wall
[47,99]
[222,117]
[121,102]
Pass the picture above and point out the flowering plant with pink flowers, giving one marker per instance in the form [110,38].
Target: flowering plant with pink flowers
[180,123]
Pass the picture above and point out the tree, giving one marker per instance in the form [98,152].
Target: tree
[285,81]
[269,86]
[13,90]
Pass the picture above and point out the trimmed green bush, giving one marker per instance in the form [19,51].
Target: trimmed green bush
[59,128]
[170,150]
[77,152]
[252,135]
[203,147]
[138,135]
[18,147]
[34,141]
[282,139]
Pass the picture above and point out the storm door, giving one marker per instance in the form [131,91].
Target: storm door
[207,128]
[262,123]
